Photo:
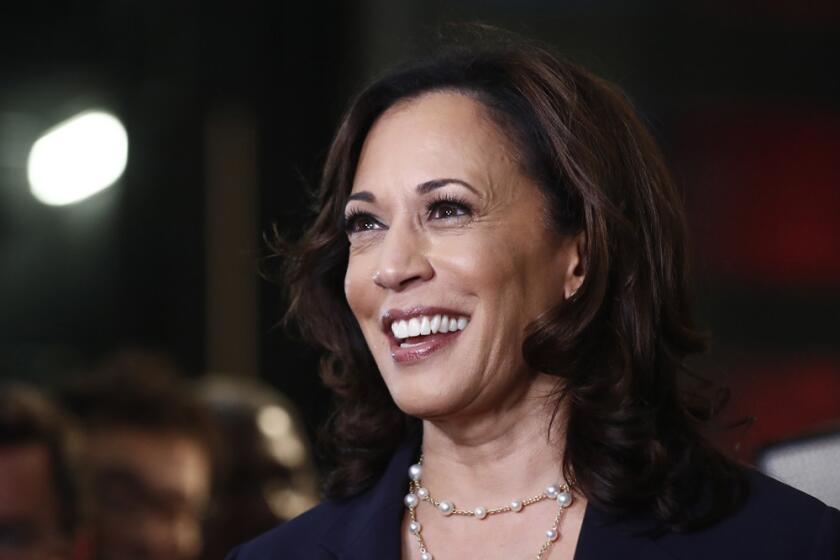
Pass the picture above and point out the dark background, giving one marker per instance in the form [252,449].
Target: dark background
[230,107]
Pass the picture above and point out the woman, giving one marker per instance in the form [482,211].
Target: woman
[497,274]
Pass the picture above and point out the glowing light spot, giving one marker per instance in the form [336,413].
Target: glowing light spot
[274,421]
[77,158]
[287,503]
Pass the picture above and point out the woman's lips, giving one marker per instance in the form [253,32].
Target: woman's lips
[407,351]
[418,332]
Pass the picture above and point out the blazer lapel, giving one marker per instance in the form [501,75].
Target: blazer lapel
[371,527]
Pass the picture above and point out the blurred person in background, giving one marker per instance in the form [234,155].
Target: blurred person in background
[149,456]
[268,475]
[39,515]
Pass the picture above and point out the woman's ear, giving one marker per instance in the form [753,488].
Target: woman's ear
[575,270]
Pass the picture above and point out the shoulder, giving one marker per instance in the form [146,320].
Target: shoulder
[775,521]
[366,525]
[297,538]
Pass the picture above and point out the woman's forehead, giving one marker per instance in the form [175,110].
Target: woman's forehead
[439,134]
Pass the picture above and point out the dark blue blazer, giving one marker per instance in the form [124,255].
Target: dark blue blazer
[776,522]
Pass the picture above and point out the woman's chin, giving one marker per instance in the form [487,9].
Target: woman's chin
[426,406]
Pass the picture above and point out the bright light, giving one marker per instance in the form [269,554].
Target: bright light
[77,158]
[274,421]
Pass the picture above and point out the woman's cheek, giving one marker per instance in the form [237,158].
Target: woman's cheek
[353,289]
[363,296]
[479,259]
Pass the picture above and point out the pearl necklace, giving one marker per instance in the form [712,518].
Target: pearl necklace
[417,493]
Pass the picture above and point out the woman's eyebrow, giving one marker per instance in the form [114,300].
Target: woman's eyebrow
[423,188]
[364,196]
[429,186]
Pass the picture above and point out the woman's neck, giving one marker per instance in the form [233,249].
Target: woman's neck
[499,455]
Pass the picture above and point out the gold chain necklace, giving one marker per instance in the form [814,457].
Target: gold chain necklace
[417,493]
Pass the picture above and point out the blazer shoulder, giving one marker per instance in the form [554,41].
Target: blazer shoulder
[775,521]
[298,538]
[774,501]
[363,526]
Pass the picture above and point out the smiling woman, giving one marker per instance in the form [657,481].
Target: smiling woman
[467,250]
[497,276]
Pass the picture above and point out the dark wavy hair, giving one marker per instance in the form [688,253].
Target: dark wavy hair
[618,346]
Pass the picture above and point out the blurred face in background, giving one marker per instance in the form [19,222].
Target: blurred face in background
[150,491]
[30,512]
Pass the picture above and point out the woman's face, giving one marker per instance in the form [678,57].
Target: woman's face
[451,257]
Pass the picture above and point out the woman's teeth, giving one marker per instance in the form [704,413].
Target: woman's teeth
[424,325]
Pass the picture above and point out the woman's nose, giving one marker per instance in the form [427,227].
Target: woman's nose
[403,261]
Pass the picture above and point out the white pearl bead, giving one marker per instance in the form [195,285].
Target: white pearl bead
[552,534]
[414,527]
[415,472]
[411,501]
[422,493]
[564,499]
[552,491]
[446,508]
[425,556]
[480,512]
[516,505]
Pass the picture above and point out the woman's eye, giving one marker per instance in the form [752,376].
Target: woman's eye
[448,209]
[360,222]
